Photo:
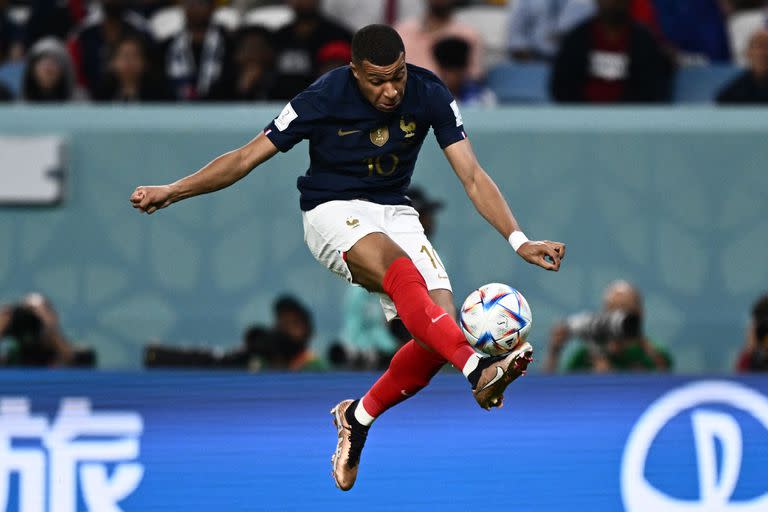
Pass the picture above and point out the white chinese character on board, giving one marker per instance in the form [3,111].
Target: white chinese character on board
[95,450]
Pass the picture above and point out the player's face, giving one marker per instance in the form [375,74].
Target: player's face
[382,86]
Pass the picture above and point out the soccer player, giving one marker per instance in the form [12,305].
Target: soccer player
[365,124]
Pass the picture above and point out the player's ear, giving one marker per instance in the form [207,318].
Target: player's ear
[354,70]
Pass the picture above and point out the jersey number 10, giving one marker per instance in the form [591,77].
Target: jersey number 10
[383,165]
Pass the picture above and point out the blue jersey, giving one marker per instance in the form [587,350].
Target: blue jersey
[356,151]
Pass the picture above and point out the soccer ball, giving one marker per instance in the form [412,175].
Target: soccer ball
[494,318]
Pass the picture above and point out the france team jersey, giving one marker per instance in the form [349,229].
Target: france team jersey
[356,151]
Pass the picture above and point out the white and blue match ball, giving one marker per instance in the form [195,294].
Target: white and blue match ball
[495,318]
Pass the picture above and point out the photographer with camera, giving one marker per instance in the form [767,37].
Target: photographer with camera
[754,357]
[613,339]
[283,346]
[30,335]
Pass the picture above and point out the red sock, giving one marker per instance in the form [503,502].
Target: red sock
[425,320]
[411,369]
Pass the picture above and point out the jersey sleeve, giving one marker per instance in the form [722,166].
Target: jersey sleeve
[446,117]
[295,122]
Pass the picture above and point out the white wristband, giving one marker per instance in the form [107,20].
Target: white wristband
[516,239]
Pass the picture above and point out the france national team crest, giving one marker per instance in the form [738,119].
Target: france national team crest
[408,125]
[380,135]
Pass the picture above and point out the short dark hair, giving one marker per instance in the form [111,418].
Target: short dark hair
[380,45]
[290,304]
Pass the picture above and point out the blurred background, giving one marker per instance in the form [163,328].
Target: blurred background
[632,130]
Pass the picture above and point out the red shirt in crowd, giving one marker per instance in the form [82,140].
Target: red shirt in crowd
[608,66]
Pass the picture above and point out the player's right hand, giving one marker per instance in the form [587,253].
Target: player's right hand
[151,199]
[546,254]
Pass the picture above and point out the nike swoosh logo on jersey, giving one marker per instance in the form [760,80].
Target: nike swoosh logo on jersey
[499,374]
[439,317]
[342,133]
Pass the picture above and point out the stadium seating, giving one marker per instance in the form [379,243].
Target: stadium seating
[11,74]
[701,84]
[520,82]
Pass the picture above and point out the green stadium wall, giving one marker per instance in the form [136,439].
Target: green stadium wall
[671,199]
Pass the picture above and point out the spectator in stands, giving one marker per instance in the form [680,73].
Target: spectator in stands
[49,75]
[744,19]
[695,29]
[611,59]
[452,57]
[754,357]
[333,55]
[297,45]
[751,86]
[732,6]
[365,342]
[243,6]
[94,41]
[147,8]
[251,77]
[11,36]
[130,78]
[355,14]
[197,57]
[53,18]
[632,351]
[420,34]
[33,336]
[535,26]
[286,345]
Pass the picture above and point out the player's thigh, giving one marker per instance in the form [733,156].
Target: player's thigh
[369,259]
[338,234]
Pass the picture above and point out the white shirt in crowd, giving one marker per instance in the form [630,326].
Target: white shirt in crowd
[537,25]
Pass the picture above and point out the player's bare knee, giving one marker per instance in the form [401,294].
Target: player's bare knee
[444,299]
[369,259]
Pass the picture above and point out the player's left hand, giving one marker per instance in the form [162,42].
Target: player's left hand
[545,253]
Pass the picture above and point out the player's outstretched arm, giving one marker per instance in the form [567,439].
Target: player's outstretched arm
[489,202]
[220,173]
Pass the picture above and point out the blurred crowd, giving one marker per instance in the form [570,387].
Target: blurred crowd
[596,51]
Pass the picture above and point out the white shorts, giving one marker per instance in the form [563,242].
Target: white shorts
[332,228]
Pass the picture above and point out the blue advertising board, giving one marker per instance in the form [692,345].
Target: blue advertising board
[110,442]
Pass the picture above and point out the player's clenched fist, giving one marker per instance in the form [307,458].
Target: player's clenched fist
[151,199]
[545,254]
